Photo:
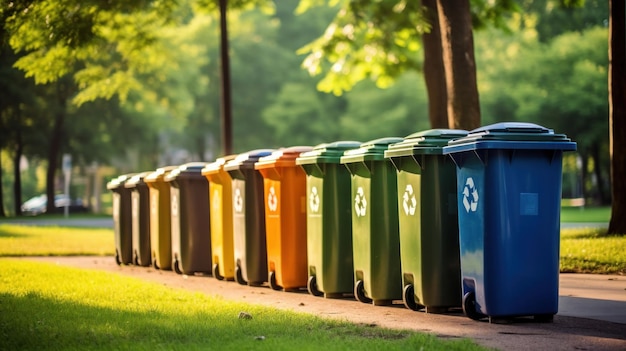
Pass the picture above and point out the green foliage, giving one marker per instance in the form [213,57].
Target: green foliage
[70,308]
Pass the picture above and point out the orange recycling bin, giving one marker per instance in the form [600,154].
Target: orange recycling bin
[221,202]
[160,218]
[284,185]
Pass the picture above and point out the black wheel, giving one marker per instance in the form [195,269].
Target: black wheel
[408,297]
[544,318]
[136,260]
[271,279]
[239,276]
[176,267]
[216,272]
[311,286]
[359,292]
[469,306]
[154,264]
[117,259]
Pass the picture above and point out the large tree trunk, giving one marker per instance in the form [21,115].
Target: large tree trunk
[458,59]
[434,73]
[55,145]
[2,213]
[617,114]
[17,174]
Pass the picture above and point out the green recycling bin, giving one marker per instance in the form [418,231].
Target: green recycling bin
[429,233]
[160,218]
[329,221]
[140,213]
[248,218]
[191,227]
[122,219]
[221,199]
[375,233]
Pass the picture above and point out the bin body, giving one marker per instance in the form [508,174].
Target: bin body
[249,240]
[221,201]
[191,231]
[160,218]
[509,192]
[122,219]
[140,213]
[427,211]
[284,184]
[329,221]
[375,236]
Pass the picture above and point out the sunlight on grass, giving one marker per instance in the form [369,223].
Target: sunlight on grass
[73,309]
[17,240]
[592,251]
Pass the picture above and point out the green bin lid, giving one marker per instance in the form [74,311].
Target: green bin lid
[372,150]
[282,158]
[246,160]
[327,153]
[511,135]
[429,141]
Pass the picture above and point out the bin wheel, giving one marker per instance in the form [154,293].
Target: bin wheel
[543,318]
[311,286]
[271,279]
[359,292]
[408,297]
[154,264]
[177,267]
[216,272]
[117,259]
[469,306]
[239,276]
[136,260]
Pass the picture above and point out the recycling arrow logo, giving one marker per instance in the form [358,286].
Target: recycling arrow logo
[314,200]
[470,196]
[238,203]
[272,199]
[360,203]
[409,202]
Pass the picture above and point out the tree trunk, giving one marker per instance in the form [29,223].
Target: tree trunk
[597,169]
[2,213]
[17,174]
[458,59]
[617,114]
[434,73]
[55,146]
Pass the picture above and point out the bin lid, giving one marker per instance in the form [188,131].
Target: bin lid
[372,150]
[511,135]
[246,160]
[218,165]
[136,180]
[190,169]
[429,141]
[159,174]
[118,182]
[282,158]
[327,152]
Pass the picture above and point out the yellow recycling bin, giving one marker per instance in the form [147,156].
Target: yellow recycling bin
[160,218]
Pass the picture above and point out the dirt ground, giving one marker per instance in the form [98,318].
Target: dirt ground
[564,333]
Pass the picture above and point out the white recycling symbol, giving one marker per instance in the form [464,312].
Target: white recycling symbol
[314,200]
[216,199]
[360,203]
[470,196]
[238,203]
[272,199]
[409,202]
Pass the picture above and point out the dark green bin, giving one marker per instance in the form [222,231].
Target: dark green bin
[122,219]
[429,233]
[140,214]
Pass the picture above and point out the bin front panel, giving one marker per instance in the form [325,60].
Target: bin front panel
[239,226]
[515,196]
[160,224]
[195,225]
[122,219]
[273,205]
[141,224]
[362,232]
[222,227]
[410,231]
[175,221]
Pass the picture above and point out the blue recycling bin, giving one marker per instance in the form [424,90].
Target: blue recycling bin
[509,192]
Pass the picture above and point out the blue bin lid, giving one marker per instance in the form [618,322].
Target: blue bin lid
[511,135]
[247,160]
[327,153]
[372,150]
[429,141]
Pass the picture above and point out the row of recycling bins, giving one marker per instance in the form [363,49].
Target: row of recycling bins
[440,219]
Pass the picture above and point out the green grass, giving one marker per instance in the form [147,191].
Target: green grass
[44,306]
[592,251]
[585,214]
[18,240]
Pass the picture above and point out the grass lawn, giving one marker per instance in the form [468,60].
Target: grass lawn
[585,214]
[592,251]
[44,306]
